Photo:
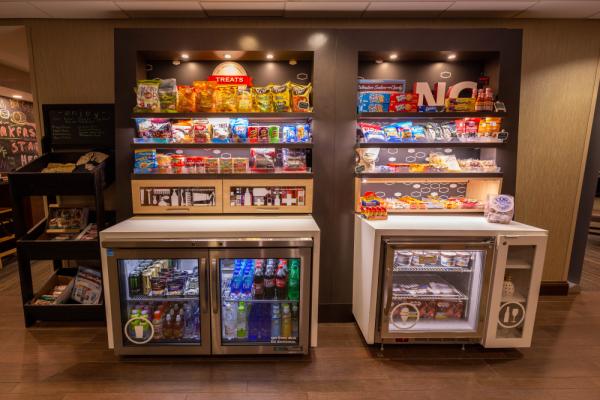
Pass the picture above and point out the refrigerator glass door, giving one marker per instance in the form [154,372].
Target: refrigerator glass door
[434,289]
[260,300]
[163,302]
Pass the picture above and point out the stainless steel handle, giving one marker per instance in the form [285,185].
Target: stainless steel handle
[214,284]
[206,298]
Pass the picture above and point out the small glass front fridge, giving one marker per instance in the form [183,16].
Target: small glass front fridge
[229,296]
[433,289]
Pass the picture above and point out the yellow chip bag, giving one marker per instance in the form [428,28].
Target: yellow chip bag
[262,99]
[281,97]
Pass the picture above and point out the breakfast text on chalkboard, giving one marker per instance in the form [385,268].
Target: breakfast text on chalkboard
[18,134]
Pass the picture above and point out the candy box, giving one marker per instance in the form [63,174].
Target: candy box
[145,159]
[373,107]
[374,97]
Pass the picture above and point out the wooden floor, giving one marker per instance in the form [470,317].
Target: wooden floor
[72,363]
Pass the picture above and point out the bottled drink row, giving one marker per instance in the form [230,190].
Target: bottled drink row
[261,279]
[172,321]
[159,278]
[260,322]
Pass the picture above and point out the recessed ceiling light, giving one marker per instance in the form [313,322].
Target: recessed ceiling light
[452,57]
[393,56]
[270,56]
[17,96]
[293,62]
[227,56]
[378,61]
[185,56]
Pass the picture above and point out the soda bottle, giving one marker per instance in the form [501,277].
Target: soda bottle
[281,282]
[178,327]
[259,282]
[269,281]
[157,325]
[275,323]
[294,281]
[242,322]
[229,321]
[168,327]
[286,322]
[295,320]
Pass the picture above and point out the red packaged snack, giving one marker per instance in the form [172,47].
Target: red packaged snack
[253,134]
[460,126]
[471,126]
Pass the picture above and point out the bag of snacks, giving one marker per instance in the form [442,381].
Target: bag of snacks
[220,130]
[262,99]
[301,97]
[418,132]
[499,209]
[290,134]
[262,160]
[371,132]
[167,94]
[226,98]
[303,132]
[147,99]
[281,97]
[405,130]
[201,130]
[294,160]
[239,130]
[205,93]
[244,99]
[391,133]
[186,99]
[154,129]
[182,131]
[144,159]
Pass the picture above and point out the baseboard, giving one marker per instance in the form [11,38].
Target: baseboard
[338,312]
[554,288]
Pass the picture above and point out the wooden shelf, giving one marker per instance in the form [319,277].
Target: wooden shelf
[392,175]
[429,144]
[429,115]
[251,115]
[220,145]
[281,175]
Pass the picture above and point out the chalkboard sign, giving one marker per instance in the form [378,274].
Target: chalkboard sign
[84,126]
[18,135]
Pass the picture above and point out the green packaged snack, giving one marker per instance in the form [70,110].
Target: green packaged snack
[147,96]
[281,97]
[167,95]
[262,99]
[273,134]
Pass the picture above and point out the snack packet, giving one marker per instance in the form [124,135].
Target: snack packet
[240,165]
[262,99]
[263,134]
[273,134]
[262,159]
[167,94]
[290,134]
[205,92]
[239,130]
[147,99]
[154,129]
[201,130]
[405,130]
[182,131]
[303,132]
[294,160]
[418,132]
[391,133]
[301,97]
[220,130]
[244,99]
[281,97]
[253,134]
[226,165]
[145,159]
[226,98]
[371,132]
[186,99]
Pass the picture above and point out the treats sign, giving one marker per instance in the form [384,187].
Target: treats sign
[230,73]
[423,90]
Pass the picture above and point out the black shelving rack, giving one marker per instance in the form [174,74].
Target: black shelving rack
[32,245]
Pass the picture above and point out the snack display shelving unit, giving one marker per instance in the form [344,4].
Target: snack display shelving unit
[33,244]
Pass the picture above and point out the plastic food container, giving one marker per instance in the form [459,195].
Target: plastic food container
[463,259]
[177,163]
[448,258]
[417,258]
[430,257]
[403,257]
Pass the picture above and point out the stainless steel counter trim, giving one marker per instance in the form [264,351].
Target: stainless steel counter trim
[208,243]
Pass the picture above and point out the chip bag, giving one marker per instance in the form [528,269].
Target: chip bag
[239,129]
[186,99]
[262,99]
[220,131]
[205,93]
[226,98]
[301,97]
[244,99]
[167,94]
[182,131]
[201,130]
[147,99]
[281,97]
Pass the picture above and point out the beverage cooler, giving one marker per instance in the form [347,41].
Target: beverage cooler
[434,288]
[230,296]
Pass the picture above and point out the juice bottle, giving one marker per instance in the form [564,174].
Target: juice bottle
[168,327]
[157,325]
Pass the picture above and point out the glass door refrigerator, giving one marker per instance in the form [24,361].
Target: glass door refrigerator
[229,296]
[433,289]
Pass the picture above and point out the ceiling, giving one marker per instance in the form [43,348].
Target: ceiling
[124,9]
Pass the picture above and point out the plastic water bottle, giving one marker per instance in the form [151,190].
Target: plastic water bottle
[242,322]
[275,323]
[247,284]
[229,322]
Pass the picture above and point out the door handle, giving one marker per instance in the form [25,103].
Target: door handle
[207,288]
[214,283]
